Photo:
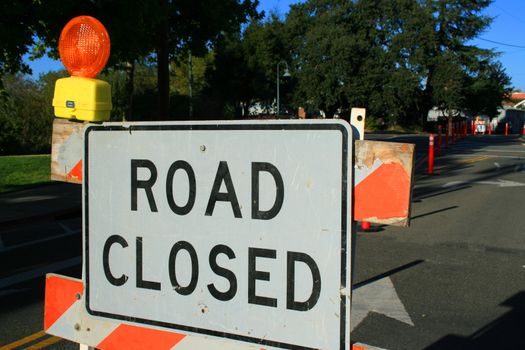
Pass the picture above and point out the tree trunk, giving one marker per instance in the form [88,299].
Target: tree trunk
[163,74]
[190,85]
[426,98]
[130,76]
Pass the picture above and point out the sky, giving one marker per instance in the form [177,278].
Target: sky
[505,35]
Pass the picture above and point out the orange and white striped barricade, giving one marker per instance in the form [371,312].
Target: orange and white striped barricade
[179,217]
[376,200]
[67,147]
[65,316]
[383,182]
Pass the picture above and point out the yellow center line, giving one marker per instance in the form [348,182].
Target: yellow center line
[474,159]
[44,343]
[23,341]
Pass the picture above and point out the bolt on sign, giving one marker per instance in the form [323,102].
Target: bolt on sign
[238,230]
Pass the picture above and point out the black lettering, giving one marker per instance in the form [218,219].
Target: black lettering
[291,304]
[221,271]
[180,164]
[141,283]
[223,174]
[194,268]
[145,184]
[105,260]
[254,275]
[279,195]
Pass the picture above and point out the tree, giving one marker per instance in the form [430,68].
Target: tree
[137,29]
[26,117]
[398,58]
[17,35]
[189,77]
[193,26]
[323,39]
[245,65]
[448,59]
[487,89]
[355,54]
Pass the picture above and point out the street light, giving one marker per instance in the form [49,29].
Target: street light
[286,74]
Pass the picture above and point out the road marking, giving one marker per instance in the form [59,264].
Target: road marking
[44,343]
[379,297]
[500,183]
[490,156]
[30,199]
[502,150]
[67,229]
[474,160]
[23,341]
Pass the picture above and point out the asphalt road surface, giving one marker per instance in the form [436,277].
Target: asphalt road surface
[454,280]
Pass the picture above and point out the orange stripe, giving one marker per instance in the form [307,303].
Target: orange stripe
[384,194]
[76,172]
[61,293]
[139,338]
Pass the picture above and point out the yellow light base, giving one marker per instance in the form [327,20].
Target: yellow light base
[82,99]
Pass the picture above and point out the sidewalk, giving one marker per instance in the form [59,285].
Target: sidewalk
[40,202]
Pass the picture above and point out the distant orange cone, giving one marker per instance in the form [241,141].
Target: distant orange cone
[365,225]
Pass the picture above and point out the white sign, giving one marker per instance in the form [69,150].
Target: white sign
[238,230]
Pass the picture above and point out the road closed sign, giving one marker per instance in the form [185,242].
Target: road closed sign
[237,230]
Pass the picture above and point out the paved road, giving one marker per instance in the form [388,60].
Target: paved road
[454,280]
[462,277]
[39,233]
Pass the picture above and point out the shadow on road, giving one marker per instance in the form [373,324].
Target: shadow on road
[507,332]
[387,273]
[31,291]
[434,212]
[448,168]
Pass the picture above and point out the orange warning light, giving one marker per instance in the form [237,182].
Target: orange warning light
[84,46]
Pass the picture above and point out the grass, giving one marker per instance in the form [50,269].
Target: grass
[20,172]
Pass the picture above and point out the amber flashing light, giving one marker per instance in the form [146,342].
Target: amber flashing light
[84,46]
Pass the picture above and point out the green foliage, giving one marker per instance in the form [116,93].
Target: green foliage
[26,117]
[324,43]
[487,89]
[244,71]
[448,80]
[180,72]
[17,27]
[397,58]
[23,171]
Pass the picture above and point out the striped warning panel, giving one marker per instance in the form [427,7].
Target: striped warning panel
[383,182]
[67,147]
[383,173]
[65,316]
